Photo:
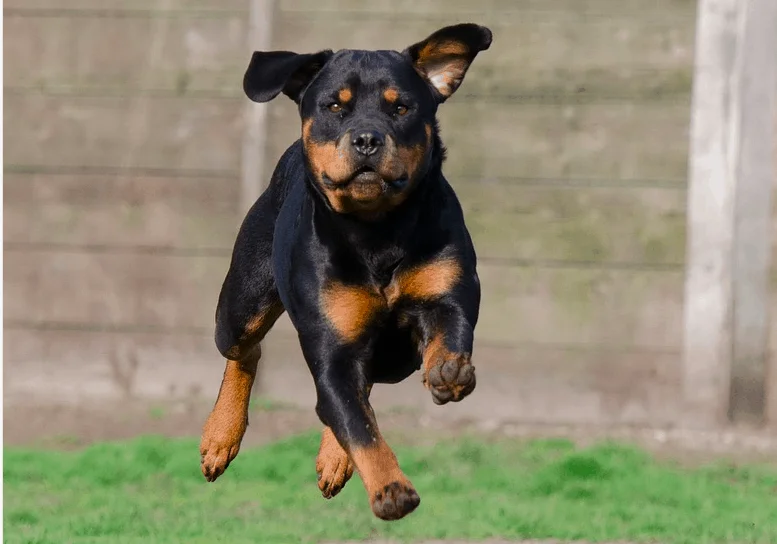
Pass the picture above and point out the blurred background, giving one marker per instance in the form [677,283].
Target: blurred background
[130,161]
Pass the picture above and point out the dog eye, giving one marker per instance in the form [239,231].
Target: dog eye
[401,109]
[334,107]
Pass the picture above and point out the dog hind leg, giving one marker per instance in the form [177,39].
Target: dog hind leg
[248,306]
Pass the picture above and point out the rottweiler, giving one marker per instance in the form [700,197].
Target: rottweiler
[362,240]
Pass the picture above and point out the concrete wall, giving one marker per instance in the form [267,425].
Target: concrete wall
[568,148]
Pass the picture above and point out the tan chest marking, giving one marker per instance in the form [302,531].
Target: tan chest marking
[350,309]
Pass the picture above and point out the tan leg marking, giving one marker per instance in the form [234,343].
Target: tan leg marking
[226,425]
[333,466]
[390,493]
[259,325]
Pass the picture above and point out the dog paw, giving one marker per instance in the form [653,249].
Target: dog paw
[395,501]
[218,448]
[451,380]
[333,465]
[333,471]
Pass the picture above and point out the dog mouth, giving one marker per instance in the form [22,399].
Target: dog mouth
[368,176]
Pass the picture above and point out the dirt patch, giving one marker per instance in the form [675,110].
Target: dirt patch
[68,426]
[74,425]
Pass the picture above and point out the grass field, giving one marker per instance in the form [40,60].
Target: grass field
[150,490]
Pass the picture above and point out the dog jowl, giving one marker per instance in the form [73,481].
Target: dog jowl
[361,240]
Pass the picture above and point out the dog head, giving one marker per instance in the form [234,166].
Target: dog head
[369,117]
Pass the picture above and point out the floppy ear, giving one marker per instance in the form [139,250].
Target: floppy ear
[271,72]
[444,57]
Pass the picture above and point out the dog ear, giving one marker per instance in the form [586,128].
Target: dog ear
[271,72]
[444,57]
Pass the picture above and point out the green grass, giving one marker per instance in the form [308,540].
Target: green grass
[150,490]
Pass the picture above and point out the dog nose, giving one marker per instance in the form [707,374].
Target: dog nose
[367,142]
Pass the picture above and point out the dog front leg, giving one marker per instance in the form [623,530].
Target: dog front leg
[447,336]
[343,405]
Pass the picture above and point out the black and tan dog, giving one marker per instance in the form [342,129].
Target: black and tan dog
[361,239]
